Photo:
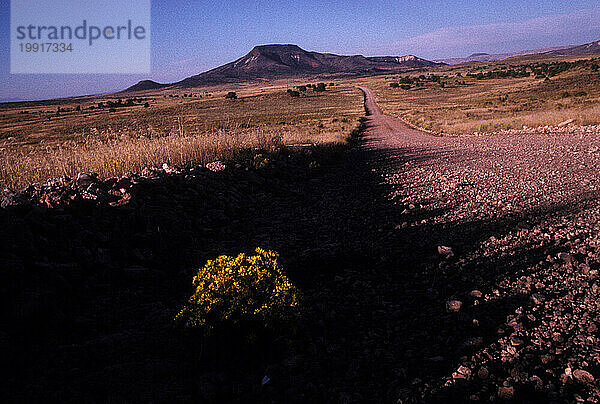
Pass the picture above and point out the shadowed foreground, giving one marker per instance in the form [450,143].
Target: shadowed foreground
[90,290]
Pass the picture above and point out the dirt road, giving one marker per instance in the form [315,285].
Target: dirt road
[521,215]
[387,127]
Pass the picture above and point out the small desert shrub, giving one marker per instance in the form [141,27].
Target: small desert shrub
[260,161]
[293,93]
[405,86]
[231,95]
[394,85]
[234,291]
[319,87]
[580,93]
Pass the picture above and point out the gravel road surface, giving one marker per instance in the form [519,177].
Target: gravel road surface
[514,220]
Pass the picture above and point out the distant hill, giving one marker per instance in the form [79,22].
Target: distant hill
[146,85]
[486,57]
[587,49]
[408,61]
[268,62]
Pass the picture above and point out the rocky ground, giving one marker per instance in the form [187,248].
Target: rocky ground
[516,218]
[434,270]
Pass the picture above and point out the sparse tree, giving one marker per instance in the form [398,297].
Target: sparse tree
[319,87]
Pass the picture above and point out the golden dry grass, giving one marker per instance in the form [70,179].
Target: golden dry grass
[179,131]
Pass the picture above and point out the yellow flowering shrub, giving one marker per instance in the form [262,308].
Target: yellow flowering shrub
[246,288]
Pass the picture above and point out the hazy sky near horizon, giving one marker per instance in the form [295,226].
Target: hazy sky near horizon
[189,37]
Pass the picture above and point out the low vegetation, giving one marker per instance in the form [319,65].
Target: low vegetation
[111,155]
[319,87]
[38,145]
[488,97]
[241,291]
[540,70]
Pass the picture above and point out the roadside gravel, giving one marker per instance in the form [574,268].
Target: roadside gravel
[520,213]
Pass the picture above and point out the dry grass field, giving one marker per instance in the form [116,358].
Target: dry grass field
[39,140]
[457,102]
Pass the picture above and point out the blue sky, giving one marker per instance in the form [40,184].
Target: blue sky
[189,37]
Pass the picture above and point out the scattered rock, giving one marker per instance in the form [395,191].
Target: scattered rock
[445,252]
[216,166]
[453,306]
[583,376]
[475,294]
[565,123]
[84,180]
[170,169]
[506,392]
[462,372]
[565,257]
[10,198]
[537,299]
[483,373]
